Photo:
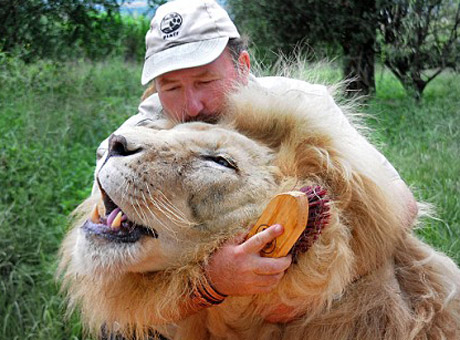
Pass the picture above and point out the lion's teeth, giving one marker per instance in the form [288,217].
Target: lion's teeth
[117,221]
[95,217]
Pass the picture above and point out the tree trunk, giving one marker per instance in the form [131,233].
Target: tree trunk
[358,43]
[359,67]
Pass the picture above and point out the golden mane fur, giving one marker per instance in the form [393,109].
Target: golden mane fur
[367,276]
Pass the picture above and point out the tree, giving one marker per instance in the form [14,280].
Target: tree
[284,24]
[420,39]
[358,38]
[52,28]
[416,38]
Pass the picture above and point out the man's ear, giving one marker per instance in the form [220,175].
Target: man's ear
[244,66]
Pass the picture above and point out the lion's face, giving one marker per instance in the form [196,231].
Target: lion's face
[173,190]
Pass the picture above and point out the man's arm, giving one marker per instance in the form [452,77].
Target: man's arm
[411,208]
[236,269]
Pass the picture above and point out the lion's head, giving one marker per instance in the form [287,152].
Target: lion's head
[181,190]
[176,191]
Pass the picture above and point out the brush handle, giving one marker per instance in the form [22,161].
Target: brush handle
[289,209]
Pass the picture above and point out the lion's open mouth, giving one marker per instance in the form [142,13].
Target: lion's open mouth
[114,225]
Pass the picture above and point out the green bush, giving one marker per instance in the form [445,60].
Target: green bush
[73,29]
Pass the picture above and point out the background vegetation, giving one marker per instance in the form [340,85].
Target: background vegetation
[59,99]
[416,39]
[62,30]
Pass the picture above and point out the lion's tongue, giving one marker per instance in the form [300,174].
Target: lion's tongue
[115,218]
[112,217]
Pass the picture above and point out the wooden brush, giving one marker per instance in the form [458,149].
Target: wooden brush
[303,214]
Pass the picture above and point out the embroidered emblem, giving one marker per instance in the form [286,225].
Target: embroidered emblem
[171,23]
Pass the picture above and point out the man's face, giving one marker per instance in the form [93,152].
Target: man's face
[198,94]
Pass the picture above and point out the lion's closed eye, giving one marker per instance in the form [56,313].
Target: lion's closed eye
[224,161]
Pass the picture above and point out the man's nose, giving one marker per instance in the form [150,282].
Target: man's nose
[193,104]
[118,146]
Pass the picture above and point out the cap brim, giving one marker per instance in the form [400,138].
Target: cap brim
[183,56]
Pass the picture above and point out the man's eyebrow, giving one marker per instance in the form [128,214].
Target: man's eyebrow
[204,74]
[166,81]
[163,81]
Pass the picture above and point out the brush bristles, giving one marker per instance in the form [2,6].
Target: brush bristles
[318,218]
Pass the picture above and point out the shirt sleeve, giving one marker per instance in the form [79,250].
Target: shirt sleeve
[389,169]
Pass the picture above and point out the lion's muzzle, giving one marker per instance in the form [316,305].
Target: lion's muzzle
[114,225]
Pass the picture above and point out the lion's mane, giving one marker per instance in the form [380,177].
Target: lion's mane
[367,277]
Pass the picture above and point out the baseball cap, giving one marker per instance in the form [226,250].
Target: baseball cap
[185,34]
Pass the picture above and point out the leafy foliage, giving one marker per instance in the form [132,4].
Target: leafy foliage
[58,29]
[416,35]
[420,39]
[280,26]
[286,25]
[44,28]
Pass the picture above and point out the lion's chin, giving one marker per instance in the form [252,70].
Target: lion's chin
[101,251]
[94,254]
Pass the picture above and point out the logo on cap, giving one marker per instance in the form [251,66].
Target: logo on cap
[170,23]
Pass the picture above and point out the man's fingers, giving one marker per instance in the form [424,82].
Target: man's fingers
[272,266]
[257,242]
[238,239]
[266,283]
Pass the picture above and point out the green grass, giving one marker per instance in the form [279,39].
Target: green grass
[53,116]
[423,142]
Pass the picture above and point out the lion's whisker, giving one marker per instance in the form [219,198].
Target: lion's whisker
[133,204]
[167,201]
[142,211]
[174,214]
[158,207]
[146,203]
[180,215]
[177,220]
[124,193]
[123,189]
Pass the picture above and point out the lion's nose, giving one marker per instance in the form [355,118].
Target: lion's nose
[118,146]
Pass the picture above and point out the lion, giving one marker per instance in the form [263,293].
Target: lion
[185,188]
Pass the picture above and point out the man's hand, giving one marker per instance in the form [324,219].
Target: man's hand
[238,269]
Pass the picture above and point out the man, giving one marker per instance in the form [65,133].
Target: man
[194,57]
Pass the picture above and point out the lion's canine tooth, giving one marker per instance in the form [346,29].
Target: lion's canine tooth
[117,221]
[95,215]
